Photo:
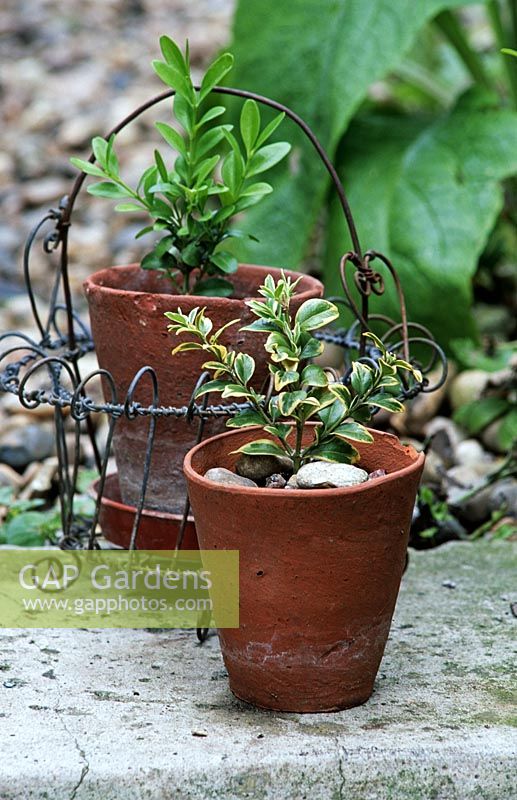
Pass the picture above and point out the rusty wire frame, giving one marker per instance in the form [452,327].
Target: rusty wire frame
[58,351]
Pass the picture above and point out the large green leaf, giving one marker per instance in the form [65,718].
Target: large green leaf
[319,58]
[426,193]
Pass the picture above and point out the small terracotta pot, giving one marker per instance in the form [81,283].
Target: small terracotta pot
[158,530]
[127,307]
[319,574]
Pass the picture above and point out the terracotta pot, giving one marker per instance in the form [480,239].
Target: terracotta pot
[319,574]
[127,307]
[158,530]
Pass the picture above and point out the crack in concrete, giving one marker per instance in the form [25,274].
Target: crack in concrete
[84,772]
[86,764]
[340,767]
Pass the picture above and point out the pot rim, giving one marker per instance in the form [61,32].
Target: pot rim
[92,283]
[192,475]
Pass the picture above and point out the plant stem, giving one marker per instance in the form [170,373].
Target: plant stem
[510,64]
[452,30]
[297,459]
[186,281]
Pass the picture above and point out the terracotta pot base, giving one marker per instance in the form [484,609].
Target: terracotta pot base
[305,709]
[158,530]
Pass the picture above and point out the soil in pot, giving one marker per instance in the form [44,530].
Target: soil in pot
[127,307]
[320,572]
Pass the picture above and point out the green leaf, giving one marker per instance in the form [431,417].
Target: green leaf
[129,207]
[362,378]
[354,431]
[186,347]
[280,430]
[437,193]
[164,245]
[211,114]
[26,529]
[210,139]
[236,390]
[151,261]
[332,414]
[336,450]
[184,112]
[172,137]
[248,201]
[215,73]
[210,386]
[476,416]
[107,189]
[267,157]
[224,213]
[100,150]
[311,349]
[166,188]
[314,376]
[172,54]
[111,157]
[382,400]
[289,401]
[244,367]
[147,178]
[288,51]
[232,172]
[88,167]
[244,419]
[285,378]
[261,326]
[191,254]
[250,124]
[224,261]
[269,129]
[507,434]
[315,314]
[213,287]
[175,79]
[362,414]
[205,168]
[261,447]
[471,357]
[341,392]
[257,189]
[144,231]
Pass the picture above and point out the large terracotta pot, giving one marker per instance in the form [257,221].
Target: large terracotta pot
[319,574]
[127,307]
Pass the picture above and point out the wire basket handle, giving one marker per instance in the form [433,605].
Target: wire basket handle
[355,257]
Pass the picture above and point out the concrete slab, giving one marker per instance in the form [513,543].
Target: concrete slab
[138,715]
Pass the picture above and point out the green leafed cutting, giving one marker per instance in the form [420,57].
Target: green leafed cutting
[284,414]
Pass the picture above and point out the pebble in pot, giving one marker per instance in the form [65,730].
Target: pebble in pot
[227,477]
[324,475]
[258,468]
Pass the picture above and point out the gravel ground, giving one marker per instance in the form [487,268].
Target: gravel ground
[71,71]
